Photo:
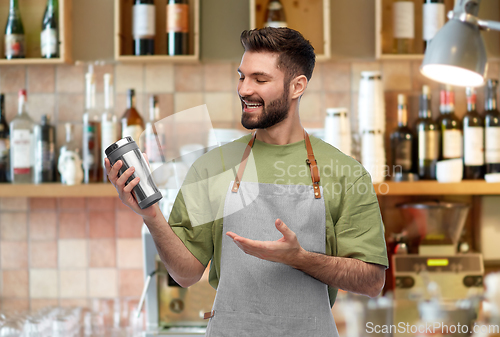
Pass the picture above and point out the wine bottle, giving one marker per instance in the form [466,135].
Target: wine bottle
[492,128]
[49,36]
[109,132]
[91,152]
[433,13]
[4,143]
[21,144]
[177,27]
[154,138]
[275,15]
[44,166]
[144,27]
[14,33]
[451,129]
[427,138]
[402,140]
[473,128]
[132,122]
[403,26]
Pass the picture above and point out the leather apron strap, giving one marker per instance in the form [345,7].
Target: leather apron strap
[311,162]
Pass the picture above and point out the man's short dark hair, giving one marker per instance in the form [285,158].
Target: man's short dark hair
[296,55]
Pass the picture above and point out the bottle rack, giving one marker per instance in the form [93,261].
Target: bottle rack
[123,34]
[384,34]
[32,15]
[310,18]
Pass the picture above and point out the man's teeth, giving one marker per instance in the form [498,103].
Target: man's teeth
[256,105]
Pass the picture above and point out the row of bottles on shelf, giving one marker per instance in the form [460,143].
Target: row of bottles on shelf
[144,27]
[27,150]
[15,38]
[475,138]
[403,11]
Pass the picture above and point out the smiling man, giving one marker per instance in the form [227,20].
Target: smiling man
[281,243]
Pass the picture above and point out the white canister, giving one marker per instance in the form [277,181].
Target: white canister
[338,129]
[371,104]
[373,155]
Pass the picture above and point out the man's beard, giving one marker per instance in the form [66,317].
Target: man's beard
[274,113]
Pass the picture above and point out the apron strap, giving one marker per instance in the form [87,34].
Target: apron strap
[236,184]
[311,162]
[313,166]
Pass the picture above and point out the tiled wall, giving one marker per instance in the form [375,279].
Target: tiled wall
[67,251]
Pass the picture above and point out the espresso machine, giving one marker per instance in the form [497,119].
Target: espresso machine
[170,309]
[430,265]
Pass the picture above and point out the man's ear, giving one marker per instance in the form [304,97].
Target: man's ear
[297,86]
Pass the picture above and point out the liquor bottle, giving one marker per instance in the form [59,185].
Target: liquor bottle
[451,129]
[49,36]
[144,27]
[427,132]
[14,33]
[402,140]
[4,143]
[403,26]
[177,27]
[70,145]
[433,13]
[21,144]
[44,166]
[443,105]
[91,145]
[492,128]
[132,122]
[473,128]
[154,135]
[109,122]
[275,15]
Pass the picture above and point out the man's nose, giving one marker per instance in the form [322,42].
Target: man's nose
[245,88]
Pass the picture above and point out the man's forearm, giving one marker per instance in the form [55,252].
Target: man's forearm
[184,268]
[343,273]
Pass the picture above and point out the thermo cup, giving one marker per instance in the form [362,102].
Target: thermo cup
[146,193]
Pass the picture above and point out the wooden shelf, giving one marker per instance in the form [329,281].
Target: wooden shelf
[57,190]
[123,34]
[310,18]
[395,57]
[466,187]
[32,60]
[157,58]
[32,15]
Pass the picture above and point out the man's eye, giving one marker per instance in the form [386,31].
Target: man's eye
[241,78]
[261,81]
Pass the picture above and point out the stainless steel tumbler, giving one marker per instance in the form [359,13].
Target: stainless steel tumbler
[146,193]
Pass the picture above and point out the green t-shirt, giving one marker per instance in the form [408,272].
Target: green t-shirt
[354,227]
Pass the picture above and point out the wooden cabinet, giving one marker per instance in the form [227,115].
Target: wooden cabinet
[32,14]
[310,18]
[384,30]
[488,10]
[123,34]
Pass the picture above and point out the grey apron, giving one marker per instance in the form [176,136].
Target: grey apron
[256,297]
